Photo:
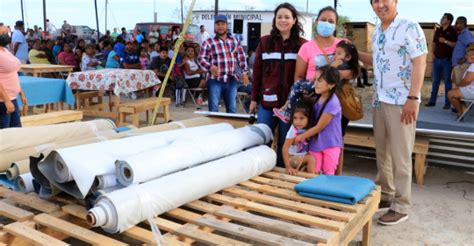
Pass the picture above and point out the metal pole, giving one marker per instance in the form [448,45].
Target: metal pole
[22,14]
[97,20]
[335,4]
[44,15]
[182,16]
[307,6]
[216,7]
[106,3]
[154,11]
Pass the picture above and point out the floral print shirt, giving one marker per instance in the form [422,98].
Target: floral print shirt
[393,52]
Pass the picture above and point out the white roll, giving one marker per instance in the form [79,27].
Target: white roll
[24,183]
[61,171]
[17,168]
[188,152]
[124,208]
[104,182]
[85,162]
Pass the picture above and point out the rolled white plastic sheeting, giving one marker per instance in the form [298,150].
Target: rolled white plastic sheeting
[81,164]
[188,152]
[19,143]
[18,168]
[105,182]
[37,135]
[124,208]
[24,183]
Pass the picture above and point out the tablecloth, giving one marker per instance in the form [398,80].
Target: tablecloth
[120,81]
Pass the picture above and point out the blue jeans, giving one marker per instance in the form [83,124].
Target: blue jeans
[12,119]
[228,90]
[266,117]
[441,69]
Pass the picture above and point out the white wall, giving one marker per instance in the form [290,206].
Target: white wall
[207,19]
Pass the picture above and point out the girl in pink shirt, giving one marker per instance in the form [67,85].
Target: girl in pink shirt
[9,85]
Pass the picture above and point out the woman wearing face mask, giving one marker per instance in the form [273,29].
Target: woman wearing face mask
[274,69]
[319,52]
[9,84]
[312,55]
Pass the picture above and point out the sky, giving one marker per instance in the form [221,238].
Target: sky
[128,12]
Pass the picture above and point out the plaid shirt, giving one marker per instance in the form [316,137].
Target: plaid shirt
[226,55]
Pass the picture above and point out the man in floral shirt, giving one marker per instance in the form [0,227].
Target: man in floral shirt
[399,61]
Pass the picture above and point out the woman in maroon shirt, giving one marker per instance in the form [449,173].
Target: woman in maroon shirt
[274,69]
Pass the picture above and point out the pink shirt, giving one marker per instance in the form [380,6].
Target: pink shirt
[9,67]
[314,57]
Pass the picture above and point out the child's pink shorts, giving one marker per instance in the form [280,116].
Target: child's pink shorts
[327,160]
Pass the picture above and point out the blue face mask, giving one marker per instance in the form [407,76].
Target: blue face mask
[325,29]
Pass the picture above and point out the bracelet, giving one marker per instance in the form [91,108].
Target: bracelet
[413,98]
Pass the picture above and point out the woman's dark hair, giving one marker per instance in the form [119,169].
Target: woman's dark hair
[328,8]
[331,76]
[4,40]
[295,32]
[306,109]
[353,63]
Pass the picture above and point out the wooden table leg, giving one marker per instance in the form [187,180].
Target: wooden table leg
[366,234]
[166,112]
[420,164]
[136,119]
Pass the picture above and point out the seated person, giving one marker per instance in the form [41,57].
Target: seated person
[131,59]
[89,62]
[161,63]
[465,89]
[67,57]
[37,56]
[113,60]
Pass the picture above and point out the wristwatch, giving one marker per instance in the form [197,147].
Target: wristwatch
[413,97]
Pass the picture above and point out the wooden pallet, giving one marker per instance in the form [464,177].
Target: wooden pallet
[51,118]
[264,210]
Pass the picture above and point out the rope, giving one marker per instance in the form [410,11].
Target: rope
[173,60]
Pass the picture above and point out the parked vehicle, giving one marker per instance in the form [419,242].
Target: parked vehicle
[165,27]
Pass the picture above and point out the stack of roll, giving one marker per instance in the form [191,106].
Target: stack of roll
[18,144]
[74,169]
[124,208]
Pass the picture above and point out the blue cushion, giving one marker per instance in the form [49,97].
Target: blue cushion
[342,189]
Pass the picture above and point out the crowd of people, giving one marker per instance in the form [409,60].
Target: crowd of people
[451,56]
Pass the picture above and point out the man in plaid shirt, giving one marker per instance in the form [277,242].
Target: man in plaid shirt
[222,56]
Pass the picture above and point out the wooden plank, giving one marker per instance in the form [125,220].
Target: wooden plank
[278,212]
[299,174]
[135,232]
[291,194]
[247,232]
[363,216]
[277,226]
[38,238]
[192,231]
[274,182]
[31,201]
[14,213]
[284,177]
[75,231]
[51,118]
[291,205]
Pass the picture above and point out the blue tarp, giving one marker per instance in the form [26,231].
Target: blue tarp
[343,189]
[41,91]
